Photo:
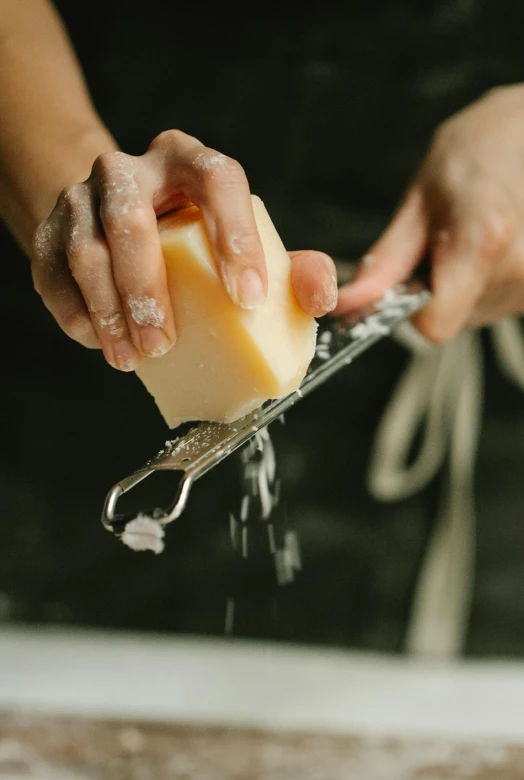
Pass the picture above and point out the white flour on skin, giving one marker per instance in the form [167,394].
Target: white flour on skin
[80,225]
[42,241]
[113,323]
[235,242]
[120,194]
[144,533]
[83,227]
[241,244]
[74,234]
[121,178]
[146,311]
[208,162]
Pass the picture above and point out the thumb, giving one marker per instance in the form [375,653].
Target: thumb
[392,259]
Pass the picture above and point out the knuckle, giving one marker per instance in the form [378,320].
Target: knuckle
[495,92]
[112,322]
[72,196]
[167,138]
[450,170]
[245,245]
[443,133]
[85,256]
[444,170]
[77,253]
[502,92]
[106,163]
[126,220]
[496,233]
[226,168]
[231,167]
[42,240]
[78,327]
[215,167]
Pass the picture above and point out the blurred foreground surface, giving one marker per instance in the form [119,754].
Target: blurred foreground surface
[40,748]
[80,705]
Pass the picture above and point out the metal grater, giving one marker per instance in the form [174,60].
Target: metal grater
[207,444]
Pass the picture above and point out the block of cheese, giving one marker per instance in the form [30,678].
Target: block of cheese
[227,360]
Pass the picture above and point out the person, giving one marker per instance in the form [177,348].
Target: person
[69,195]
[76,204]
[82,263]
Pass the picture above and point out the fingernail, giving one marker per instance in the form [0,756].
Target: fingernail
[125,356]
[250,290]
[331,293]
[154,342]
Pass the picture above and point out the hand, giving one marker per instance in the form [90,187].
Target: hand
[465,210]
[97,261]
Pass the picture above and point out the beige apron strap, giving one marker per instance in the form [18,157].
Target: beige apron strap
[443,389]
[418,401]
[441,605]
[508,343]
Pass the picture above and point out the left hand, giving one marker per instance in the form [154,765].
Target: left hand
[97,261]
[465,210]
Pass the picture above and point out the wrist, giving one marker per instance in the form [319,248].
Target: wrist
[32,183]
[70,162]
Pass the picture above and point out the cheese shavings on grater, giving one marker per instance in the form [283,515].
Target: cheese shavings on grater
[207,444]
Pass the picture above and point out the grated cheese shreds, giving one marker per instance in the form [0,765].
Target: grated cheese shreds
[144,533]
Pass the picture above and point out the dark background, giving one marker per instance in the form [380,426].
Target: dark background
[329,109]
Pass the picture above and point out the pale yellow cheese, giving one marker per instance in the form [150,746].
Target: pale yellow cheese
[227,360]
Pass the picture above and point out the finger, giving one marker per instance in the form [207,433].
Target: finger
[392,259]
[218,186]
[504,246]
[90,263]
[53,282]
[314,281]
[461,266]
[503,297]
[130,228]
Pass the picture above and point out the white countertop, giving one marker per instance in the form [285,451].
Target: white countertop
[198,680]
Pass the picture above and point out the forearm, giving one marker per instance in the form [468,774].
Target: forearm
[50,133]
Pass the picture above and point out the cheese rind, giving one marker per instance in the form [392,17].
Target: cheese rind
[227,360]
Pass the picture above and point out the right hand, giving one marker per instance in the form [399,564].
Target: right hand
[97,261]
[464,211]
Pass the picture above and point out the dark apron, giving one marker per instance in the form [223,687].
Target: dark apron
[329,110]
